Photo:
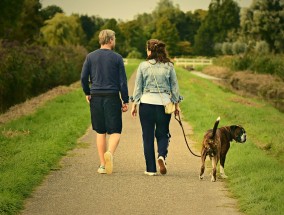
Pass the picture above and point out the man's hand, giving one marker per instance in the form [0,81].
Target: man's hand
[124,107]
[88,97]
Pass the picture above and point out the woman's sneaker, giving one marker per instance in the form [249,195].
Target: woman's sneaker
[162,165]
[150,173]
[109,162]
[102,170]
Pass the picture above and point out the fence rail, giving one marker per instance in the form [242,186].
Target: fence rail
[192,62]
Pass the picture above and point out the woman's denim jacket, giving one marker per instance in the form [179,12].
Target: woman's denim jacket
[166,78]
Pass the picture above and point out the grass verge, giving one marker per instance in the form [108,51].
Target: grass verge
[255,169]
[31,146]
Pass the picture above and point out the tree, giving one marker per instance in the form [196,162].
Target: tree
[50,11]
[90,26]
[20,20]
[189,25]
[203,40]
[264,21]
[222,18]
[167,32]
[29,25]
[135,40]
[10,12]
[62,30]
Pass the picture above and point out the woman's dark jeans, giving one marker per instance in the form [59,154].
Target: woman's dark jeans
[155,123]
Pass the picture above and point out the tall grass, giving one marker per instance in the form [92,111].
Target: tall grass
[255,168]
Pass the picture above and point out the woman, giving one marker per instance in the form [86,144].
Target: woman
[155,86]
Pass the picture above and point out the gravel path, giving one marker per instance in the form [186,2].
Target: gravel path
[77,189]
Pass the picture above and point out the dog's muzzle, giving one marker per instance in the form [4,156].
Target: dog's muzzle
[242,138]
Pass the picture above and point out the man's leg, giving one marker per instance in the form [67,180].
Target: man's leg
[113,142]
[101,144]
[108,156]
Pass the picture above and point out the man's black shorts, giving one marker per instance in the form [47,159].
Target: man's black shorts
[106,113]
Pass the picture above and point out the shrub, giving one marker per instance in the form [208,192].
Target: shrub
[29,70]
[218,48]
[239,48]
[265,64]
[261,47]
[227,48]
[134,54]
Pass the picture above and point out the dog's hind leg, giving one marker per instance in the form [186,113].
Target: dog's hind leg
[214,165]
[222,166]
[202,169]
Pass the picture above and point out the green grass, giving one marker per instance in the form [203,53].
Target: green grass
[255,168]
[32,146]
[131,66]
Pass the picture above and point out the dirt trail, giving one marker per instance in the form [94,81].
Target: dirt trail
[78,189]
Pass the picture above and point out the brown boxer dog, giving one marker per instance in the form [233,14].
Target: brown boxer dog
[216,143]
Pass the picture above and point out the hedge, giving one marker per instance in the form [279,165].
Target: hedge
[29,70]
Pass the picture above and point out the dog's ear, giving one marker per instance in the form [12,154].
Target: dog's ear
[233,128]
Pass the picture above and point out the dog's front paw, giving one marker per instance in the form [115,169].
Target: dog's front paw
[201,177]
[213,179]
[222,175]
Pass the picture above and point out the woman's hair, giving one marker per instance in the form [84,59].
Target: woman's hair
[105,36]
[158,51]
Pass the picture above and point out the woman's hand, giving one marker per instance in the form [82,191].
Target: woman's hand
[134,110]
[177,110]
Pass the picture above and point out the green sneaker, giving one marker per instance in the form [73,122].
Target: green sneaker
[109,162]
[102,170]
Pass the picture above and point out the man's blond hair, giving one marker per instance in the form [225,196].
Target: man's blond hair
[105,36]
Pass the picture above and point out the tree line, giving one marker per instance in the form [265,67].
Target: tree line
[224,28]
[31,37]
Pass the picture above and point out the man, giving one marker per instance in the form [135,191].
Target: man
[105,70]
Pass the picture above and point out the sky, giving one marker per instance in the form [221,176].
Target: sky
[125,10]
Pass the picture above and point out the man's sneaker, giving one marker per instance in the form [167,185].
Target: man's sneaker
[102,170]
[162,165]
[109,162]
[150,173]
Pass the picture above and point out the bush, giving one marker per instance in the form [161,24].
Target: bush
[29,70]
[264,64]
[239,48]
[261,47]
[227,48]
[134,54]
[218,48]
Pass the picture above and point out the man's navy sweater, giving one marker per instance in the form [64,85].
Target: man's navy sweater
[105,70]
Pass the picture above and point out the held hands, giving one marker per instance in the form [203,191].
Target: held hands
[124,107]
